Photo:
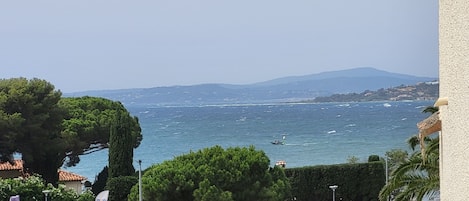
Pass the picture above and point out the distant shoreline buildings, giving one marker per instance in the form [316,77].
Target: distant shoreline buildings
[419,91]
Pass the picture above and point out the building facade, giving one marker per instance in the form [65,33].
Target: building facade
[454,99]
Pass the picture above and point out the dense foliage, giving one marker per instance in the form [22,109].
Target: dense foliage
[100,181]
[88,124]
[31,188]
[121,152]
[121,147]
[32,119]
[215,174]
[119,187]
[358,181]
[33,115]
[372,158]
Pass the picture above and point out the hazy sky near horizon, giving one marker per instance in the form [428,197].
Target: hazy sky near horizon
[108,44]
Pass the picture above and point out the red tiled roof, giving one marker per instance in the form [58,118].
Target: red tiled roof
[7,166]
[63,175]
[69,176]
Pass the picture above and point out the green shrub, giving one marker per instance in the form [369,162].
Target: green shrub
[87,196]
[215,174]
[373,158]
[119,187]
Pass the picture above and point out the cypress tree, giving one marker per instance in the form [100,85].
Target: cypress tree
[121,147]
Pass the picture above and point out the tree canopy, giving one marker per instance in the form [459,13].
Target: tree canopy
[33,124]
[215,174]
[48,130]
[88,123]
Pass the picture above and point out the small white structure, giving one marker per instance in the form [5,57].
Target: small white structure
[15,198]
[281,163]
[103,196]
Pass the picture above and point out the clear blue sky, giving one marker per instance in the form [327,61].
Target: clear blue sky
[113,44]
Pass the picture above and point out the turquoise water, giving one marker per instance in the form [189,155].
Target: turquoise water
[326,133]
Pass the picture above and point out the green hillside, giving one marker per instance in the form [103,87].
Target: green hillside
[420,91]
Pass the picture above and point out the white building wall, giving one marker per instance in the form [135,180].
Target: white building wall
[77,186]
[454,84]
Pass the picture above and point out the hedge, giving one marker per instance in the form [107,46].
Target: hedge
[360,181]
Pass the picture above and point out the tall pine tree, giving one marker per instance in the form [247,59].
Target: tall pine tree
[30,124]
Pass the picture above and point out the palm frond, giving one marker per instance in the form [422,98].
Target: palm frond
[430,109]
[416,177]
[413,142]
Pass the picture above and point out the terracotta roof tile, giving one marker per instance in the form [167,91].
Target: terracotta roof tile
[63,175]
[7,166]
[69,176]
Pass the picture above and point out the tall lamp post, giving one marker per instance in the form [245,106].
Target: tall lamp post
[140,180]
[333,191]
[46,193]
[387,172]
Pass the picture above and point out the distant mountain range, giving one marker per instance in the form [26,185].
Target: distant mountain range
[294,88]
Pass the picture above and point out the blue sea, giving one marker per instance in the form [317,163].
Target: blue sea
[320,133]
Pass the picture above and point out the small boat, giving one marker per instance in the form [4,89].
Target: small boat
[278,142]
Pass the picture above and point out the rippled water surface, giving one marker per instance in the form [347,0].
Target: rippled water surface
[314,133]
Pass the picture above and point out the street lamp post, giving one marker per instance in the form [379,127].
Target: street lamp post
[333,191]
[46,193]
[140,180]
[387,172]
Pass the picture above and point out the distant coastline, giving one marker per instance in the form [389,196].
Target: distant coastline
[419,91]
[346,84]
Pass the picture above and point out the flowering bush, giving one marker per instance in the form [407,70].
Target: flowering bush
[31,189]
